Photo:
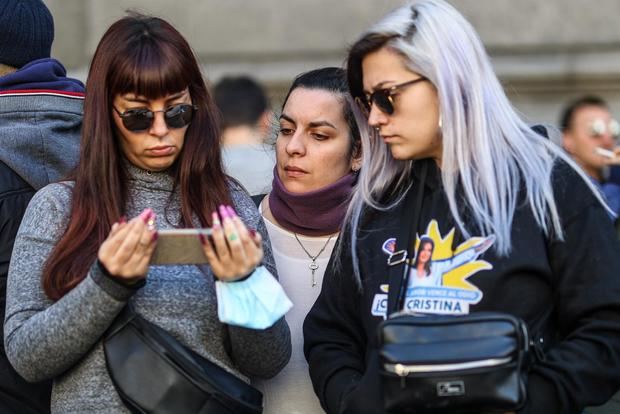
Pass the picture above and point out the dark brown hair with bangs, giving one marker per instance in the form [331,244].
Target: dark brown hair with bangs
[148,57]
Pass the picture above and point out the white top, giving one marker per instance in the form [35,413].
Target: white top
[290,392]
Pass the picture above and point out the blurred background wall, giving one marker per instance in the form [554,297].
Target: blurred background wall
[545,52]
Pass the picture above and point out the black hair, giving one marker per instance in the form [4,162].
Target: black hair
[566,118]
[241,101]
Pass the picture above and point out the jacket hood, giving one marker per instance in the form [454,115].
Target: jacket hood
[45,74]
[40,121]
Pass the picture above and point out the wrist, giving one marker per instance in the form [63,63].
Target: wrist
[132,283]
[245,277]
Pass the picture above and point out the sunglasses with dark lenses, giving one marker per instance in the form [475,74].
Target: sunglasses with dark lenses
[383,98]
[177,116]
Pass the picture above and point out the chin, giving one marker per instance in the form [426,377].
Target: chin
[160,166]
[399,154]
[296,188]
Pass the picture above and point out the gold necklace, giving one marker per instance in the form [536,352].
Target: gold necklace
[313,266]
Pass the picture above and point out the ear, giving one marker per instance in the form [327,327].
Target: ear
[568,142]
[356,158]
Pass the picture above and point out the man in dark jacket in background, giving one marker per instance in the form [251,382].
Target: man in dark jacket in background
[40,120]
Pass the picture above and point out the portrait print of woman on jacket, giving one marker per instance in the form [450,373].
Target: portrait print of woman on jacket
[442,126]
[428,272]
[150,160]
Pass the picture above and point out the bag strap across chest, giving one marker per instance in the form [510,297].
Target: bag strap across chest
[398,260]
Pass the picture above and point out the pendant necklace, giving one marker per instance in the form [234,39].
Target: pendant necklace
[313,266]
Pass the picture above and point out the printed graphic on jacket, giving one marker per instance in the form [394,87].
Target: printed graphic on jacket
[438,275]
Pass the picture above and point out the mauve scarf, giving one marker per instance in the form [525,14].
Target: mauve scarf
[315,213]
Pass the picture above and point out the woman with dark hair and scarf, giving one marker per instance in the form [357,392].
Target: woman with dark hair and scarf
[318,157]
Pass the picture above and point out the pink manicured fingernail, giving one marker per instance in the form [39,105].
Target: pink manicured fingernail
[231,211]
[146,214]
[224,212]
[252,232]
[203,241]
[155,236]
[123,220]
[150,222]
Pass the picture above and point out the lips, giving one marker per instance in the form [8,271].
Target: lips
[294,171]
[161,151]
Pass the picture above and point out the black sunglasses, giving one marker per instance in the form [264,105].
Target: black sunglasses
[383,98]
[177,116]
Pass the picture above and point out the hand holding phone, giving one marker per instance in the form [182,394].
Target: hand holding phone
[180,246]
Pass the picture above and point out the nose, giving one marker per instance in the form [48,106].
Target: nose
[296,144]
[607,140]
[159,128]
[376,117]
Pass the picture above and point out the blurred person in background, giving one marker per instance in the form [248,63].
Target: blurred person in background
[40,120]
[318,159]
[246,124]
[589,135]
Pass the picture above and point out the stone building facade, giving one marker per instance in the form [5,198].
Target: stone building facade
[545,52]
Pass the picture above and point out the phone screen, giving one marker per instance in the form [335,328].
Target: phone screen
[179,246]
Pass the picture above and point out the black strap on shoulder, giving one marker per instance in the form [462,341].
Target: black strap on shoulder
[397,262]
[258,198]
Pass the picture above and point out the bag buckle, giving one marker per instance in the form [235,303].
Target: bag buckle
[397,258]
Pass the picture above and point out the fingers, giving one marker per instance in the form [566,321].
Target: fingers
[129,246]
[219,244]
[233,251]
[136,241]
[208,244]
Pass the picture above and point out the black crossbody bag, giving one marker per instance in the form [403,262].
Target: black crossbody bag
[447,364]
[154,373]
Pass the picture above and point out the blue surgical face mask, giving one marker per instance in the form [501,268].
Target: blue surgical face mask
[256,302]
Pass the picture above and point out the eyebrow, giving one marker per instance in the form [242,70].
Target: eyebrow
[288,119]
[144,100]
[379,86]
[311,124]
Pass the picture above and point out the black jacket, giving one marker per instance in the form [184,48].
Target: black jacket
[16,395]
[15,193]
[576,280]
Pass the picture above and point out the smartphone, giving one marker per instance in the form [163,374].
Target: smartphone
[179,246]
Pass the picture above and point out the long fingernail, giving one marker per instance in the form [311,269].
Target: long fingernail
[146,214]
[123,220]
[150,223]
[155,236]
[252,232]
[231,211]
[216,220]
[224,212]
[203,241]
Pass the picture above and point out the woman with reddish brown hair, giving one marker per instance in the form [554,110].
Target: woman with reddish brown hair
[150,150]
